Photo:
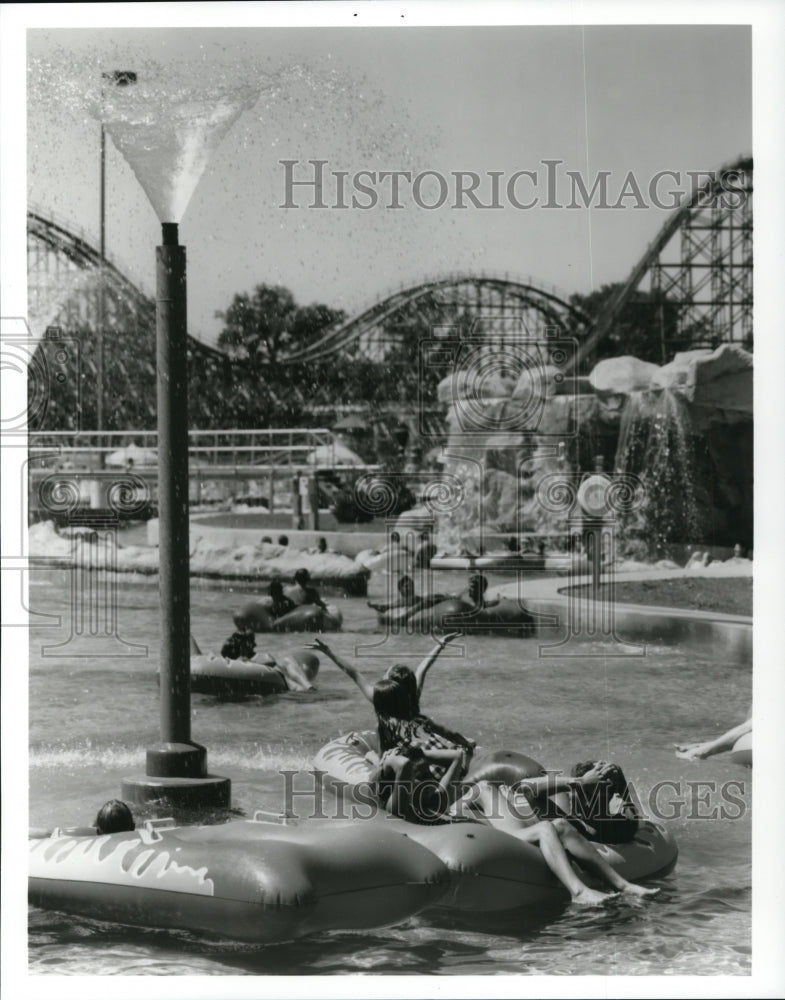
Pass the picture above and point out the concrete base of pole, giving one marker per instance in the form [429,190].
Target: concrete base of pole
[190,793]
[177,772]
[177,760]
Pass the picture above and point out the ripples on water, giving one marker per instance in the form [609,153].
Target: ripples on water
[91,718]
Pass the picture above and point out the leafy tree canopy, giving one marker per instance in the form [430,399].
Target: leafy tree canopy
[267,324]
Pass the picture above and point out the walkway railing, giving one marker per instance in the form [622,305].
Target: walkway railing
[277,468]
[287,447]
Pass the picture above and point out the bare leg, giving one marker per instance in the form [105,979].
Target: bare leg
[295,676]
[582,850]
[699,751]
[547,839]
[496,808]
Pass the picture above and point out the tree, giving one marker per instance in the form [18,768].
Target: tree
[646,326]
[261,329]
[266,325]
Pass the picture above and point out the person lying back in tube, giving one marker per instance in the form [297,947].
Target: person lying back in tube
[281,604]
[303,592]
[474,595]
[407,597]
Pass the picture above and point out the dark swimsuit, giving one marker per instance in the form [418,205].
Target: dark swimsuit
[591,814]
[282,606]
[410,737]
[422,733]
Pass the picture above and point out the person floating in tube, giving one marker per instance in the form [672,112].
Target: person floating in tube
[114,816]
[241,645]
[474,595]
[407,597]
[303,592]
[281,604]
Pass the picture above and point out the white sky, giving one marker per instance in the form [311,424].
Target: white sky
[621,99]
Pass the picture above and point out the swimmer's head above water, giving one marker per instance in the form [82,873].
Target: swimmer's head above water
[392,699]
[405,699]
[114,816]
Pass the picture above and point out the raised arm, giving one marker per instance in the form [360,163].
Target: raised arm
[552,784]
[425,665]
[348,668]
[458,763]
[404,786]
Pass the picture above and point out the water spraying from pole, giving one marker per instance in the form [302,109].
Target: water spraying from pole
[167,137]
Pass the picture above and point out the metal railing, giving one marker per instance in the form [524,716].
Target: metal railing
[228,448]
[224,464]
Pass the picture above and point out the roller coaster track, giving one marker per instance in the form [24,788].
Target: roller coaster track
[71,248]
[716,245]
[717,260]
[501,301]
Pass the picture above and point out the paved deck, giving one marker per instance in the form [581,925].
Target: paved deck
[553,589]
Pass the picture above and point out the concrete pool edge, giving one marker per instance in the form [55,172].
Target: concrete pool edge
[636,622]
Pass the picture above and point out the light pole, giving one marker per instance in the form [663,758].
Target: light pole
[117,78]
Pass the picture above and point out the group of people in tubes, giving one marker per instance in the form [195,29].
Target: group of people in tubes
[423,775]
[241,644]
[422,770]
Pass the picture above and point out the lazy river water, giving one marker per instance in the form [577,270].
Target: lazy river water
[92,717]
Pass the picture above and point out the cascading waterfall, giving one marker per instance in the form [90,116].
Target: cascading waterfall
[656,444]
[453,525]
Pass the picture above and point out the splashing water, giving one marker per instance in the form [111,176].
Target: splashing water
[171,120]
[166,118]
[451,527]
[168,139]
[655,443]
[49,293]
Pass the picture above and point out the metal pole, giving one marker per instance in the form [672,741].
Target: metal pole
[171,344]
[99,346]
[181,763]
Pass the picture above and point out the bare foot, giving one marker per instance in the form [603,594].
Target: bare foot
[638,890]
[690,751]
[591,897]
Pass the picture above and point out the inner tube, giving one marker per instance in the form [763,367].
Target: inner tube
[503,767]
[350,760]
[244,880]
[213,674]
[256,615]
[511,562]
[310,618]
[506,617]
[742,751]
[398,614]
[492,870]
[393,560]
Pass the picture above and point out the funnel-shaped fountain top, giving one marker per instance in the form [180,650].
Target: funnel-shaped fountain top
[168,130]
